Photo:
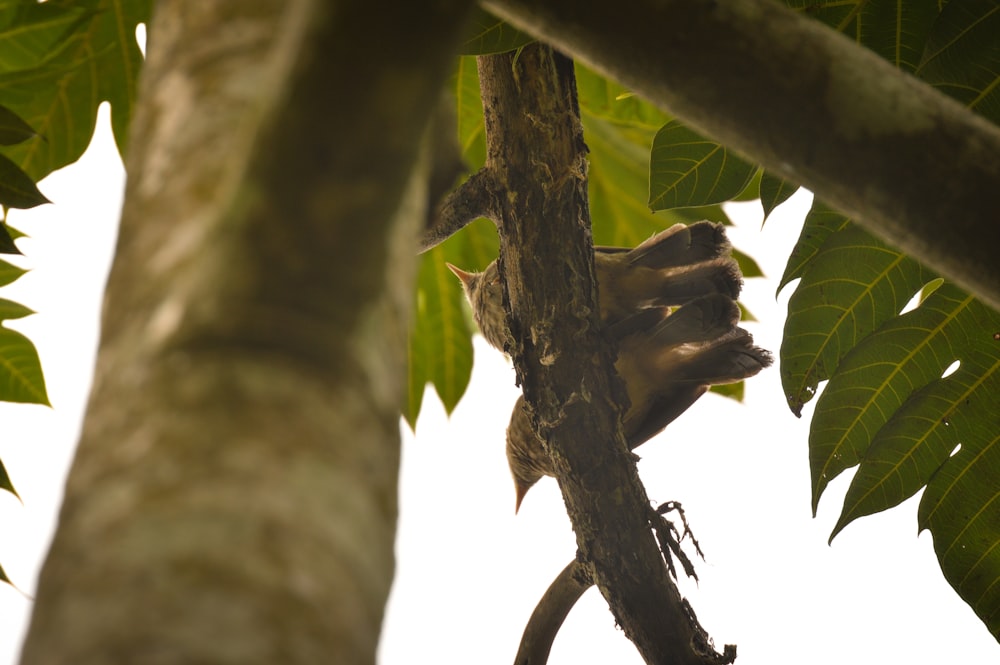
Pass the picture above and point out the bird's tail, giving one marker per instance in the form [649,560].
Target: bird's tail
[674,267]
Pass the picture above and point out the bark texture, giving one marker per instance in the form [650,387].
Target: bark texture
[537,158]
[906,162]
[233,499]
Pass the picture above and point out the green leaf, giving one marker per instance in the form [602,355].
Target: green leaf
[21,378]
[962,55]
[959,508]
[851,286]
[487,34]
[773,192]
[608,100]
[619,129]
[5,484]
[9,273]
[12,310]
[932,422]
[873,381]
[894,30]
[686,169]
[734,391]
[820,223]
[13,129]
[34,33]
[748,265]
[59,99]
[7,238]
[888,408]
[950,45]
[440,345]
[469,112]
[17,189]
[618,179]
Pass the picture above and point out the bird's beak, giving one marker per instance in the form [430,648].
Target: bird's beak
[520,489]
[466,277]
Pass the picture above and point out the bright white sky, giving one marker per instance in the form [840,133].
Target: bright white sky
[469,570]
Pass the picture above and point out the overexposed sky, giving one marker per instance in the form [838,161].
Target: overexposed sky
[469,570]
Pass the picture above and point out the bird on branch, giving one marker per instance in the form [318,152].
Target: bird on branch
[669,305]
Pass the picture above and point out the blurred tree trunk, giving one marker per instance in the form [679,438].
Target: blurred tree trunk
[233,499]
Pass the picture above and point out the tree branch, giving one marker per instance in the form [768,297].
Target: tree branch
[536,151]
[238,465]
[468,202]
[550,613]
[908,163]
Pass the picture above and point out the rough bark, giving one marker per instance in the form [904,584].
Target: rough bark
[905,161]
[536,156]
[233,499]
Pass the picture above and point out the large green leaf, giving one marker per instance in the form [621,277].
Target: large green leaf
[950,45]
[962,55]
[895,30]
[686,169]
[960,506]
[891,406]
[889,409]
[33,33]
[852,285]
[930,420]
[99,61]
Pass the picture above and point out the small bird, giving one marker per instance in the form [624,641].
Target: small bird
[670,268]
[670,306]
[667,360]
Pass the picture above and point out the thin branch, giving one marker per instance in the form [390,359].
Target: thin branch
[467,203]
[550,613]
